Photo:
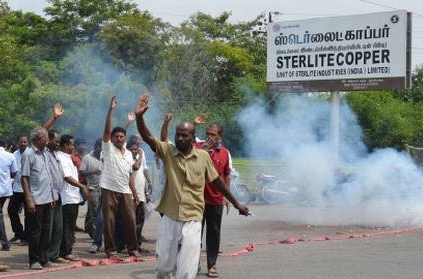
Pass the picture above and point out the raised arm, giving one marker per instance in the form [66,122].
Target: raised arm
[58,111]
[130,117]
[199,119]
[108,121]
[140,108]
[165,126]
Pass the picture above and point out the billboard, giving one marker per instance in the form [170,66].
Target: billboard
[359,52]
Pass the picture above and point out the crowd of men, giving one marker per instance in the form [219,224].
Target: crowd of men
[48,177]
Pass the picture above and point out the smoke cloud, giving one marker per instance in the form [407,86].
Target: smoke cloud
[382,188]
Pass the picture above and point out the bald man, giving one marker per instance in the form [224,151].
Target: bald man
[182,203]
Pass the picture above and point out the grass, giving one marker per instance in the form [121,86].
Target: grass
[249,168]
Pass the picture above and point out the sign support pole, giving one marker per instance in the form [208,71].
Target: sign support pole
[334,126]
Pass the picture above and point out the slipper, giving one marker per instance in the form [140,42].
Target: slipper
[143,250]
[212,273]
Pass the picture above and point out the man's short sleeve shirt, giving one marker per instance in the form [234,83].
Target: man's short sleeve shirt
[7,166]
[117,168]
[35,166]
[183,194]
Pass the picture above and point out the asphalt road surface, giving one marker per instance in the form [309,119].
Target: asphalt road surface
[329,252]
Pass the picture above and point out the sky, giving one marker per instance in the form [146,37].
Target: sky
[177,11]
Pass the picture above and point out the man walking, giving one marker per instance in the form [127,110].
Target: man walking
[182,203]
[214,200]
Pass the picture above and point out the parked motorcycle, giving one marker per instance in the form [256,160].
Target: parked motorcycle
[239,190]
[272,190]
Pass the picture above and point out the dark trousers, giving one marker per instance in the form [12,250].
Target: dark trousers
[56,231]
[140,218]
[16,204]
[70,214]
[212,218]
[37,233]
[112,203]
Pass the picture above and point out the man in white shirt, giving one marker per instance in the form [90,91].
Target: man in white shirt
[141,176]
[118,192]
[8,169]
[71,196]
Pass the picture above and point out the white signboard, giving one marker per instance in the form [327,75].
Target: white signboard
[359,52]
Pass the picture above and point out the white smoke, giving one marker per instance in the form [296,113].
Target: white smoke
[381,188]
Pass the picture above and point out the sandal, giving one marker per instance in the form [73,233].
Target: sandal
[143,250]
[212,273]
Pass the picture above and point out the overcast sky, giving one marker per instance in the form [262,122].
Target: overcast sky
[176,11]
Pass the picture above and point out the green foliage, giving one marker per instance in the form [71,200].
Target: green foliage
[82,19]
[87,51]
[385,120]
[134,43]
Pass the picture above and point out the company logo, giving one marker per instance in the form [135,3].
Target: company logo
[394,18]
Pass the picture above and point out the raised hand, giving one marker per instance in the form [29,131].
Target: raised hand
[130,117]
[142,104]
[200,119]
[209,143]
[58,110]
[167,117]
[113,103]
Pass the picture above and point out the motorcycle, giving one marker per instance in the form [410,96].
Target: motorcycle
[239,190]
[273,190]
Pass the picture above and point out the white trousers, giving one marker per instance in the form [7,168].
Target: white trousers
[178,249]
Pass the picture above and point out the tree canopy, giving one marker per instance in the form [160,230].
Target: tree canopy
[85,51]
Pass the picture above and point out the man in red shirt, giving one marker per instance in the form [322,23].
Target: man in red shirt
[214,200]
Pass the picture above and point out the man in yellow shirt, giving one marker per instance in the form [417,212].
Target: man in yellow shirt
[182,203]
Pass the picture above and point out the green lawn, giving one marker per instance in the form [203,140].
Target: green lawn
[248,169]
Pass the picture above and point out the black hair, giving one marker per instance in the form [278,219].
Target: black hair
[118,130]
[51,133]
[219,128]
[65,139]
[3,141]
[22,136]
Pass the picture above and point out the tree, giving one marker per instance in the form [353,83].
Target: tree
[80,20]
[136,43]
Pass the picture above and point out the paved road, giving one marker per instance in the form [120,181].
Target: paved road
[393,255]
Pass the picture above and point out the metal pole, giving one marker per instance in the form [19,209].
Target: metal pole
[334,127]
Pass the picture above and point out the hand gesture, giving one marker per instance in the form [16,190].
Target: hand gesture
[200,119]
[58,110]
[130,117]
[142,105]
[243,210]
[167,118]
[113,103]
[208,144]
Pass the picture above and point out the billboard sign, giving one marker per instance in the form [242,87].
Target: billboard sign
[360,52]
